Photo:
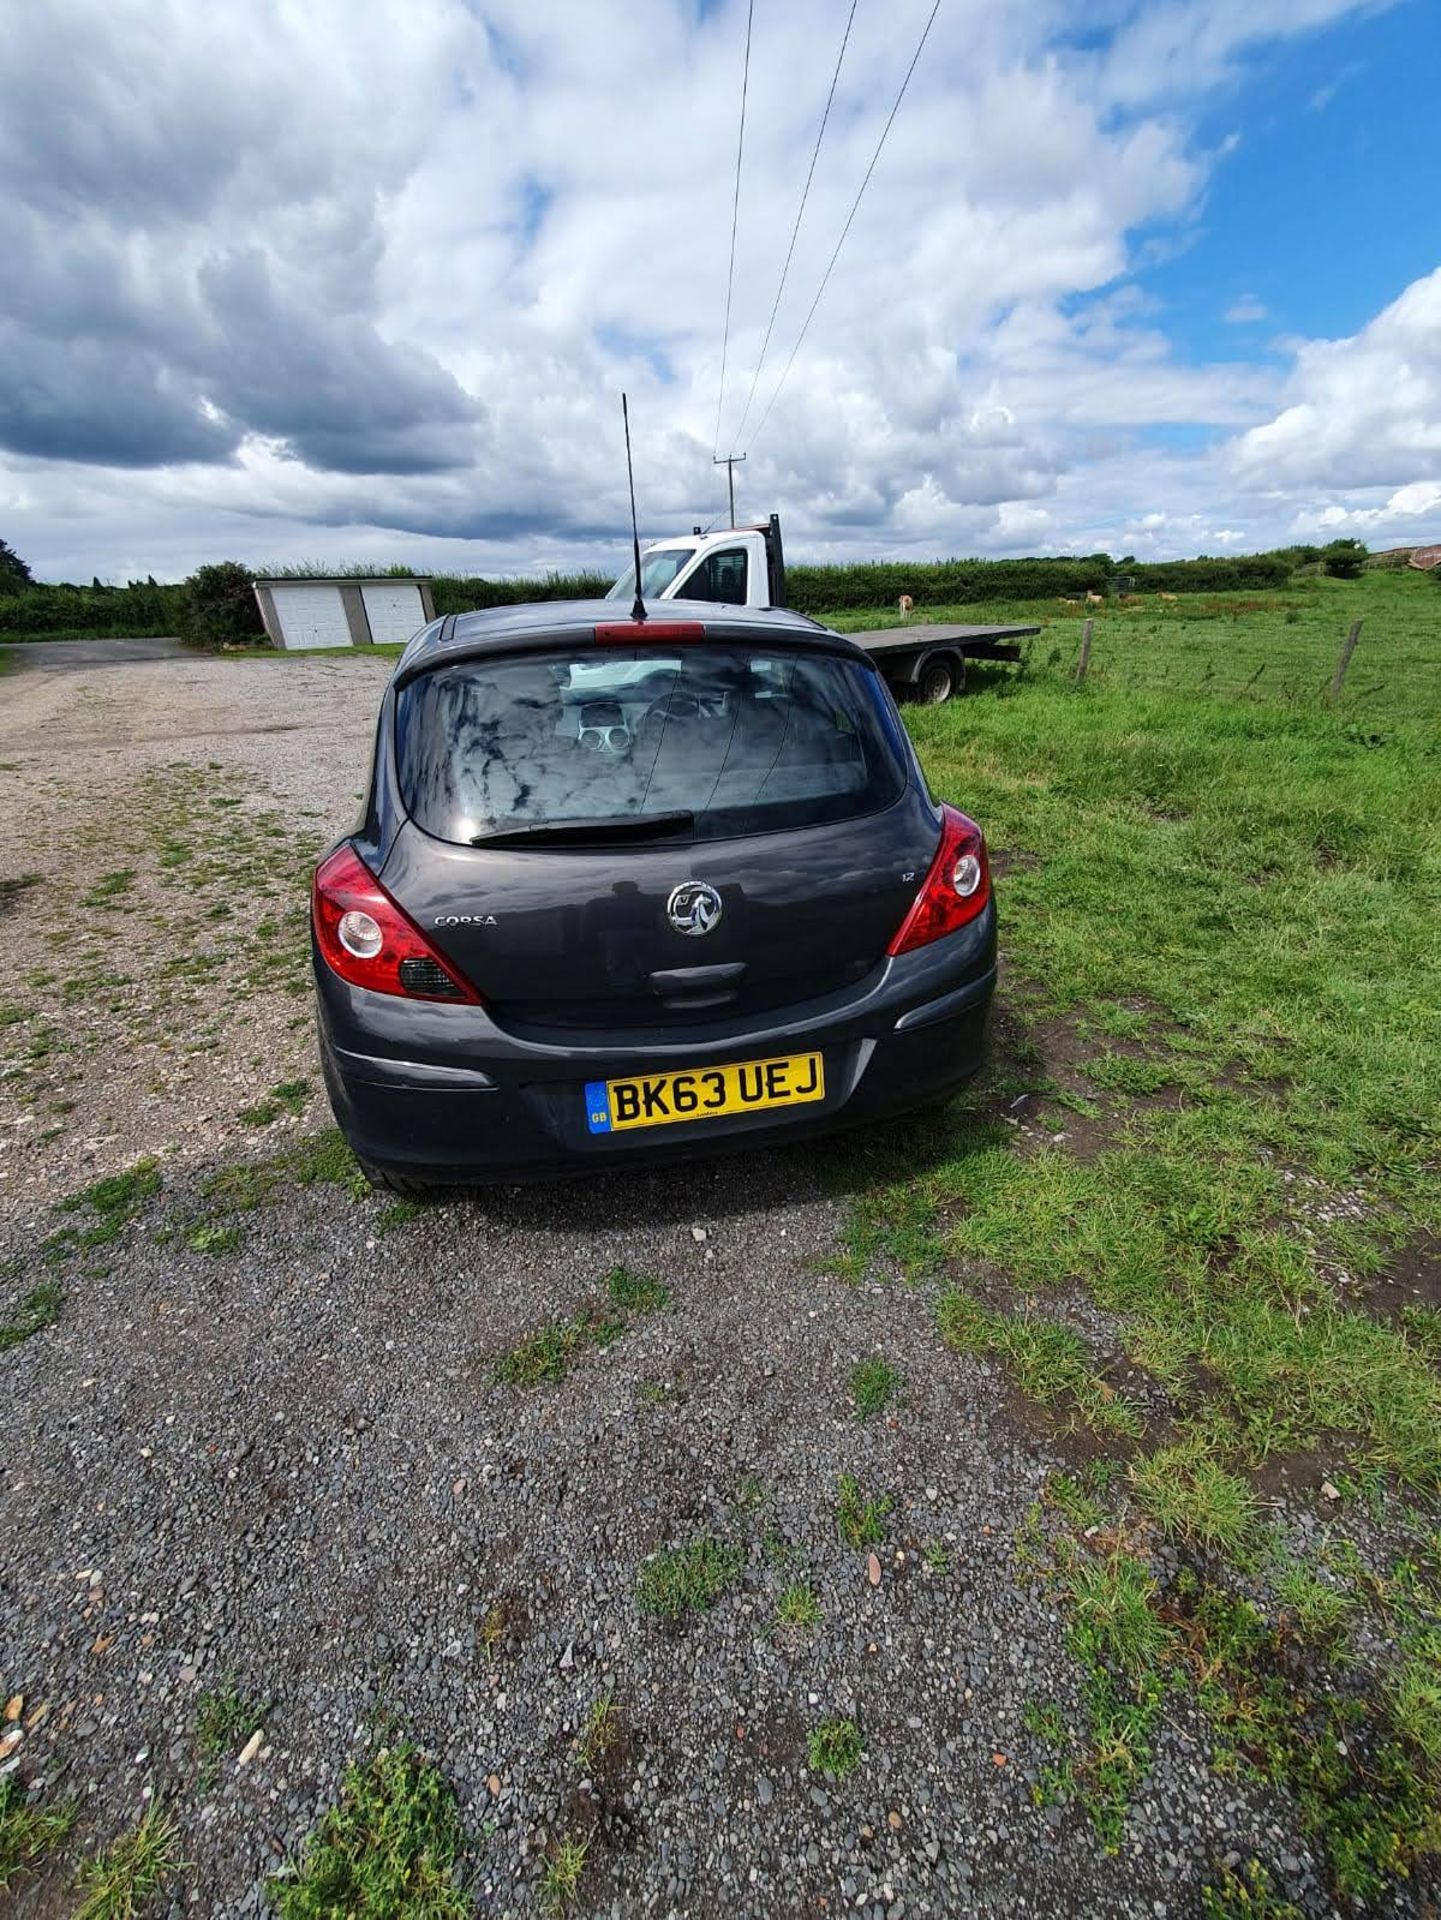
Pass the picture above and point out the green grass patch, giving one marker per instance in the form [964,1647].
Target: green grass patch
[636,1292]
[121,1880]
[600,1731]
[389,1848]
[1248,1893]
[113,1202]
[30,1830]
[214,1237]
[1192,1497]
[1311,1606]
[834,1748]
[224,1721]
[1051,1364]
[798,1607]
[1233,882]
[550,1353]
[873,1385]
[688,1579]
[38,1310]
[860,1516]
[110,888]
[1357,1774]
[560,1883]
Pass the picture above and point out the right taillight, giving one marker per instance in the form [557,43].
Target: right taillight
[371,941]
[955,890]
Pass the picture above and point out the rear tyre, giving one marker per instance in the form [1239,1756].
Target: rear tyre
[385,1180]
[940,677]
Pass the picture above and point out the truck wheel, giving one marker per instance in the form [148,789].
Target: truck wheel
[940,677]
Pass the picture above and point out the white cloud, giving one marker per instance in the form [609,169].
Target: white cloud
[363,280]
[1245,311]
[1360,412]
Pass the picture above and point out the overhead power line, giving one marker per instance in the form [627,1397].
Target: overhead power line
[795,230]
[735,217]
[825,277]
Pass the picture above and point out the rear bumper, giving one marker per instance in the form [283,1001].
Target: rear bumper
[446,1094]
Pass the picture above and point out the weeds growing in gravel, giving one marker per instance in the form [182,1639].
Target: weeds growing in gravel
[834,1748]
[860,1517]
[224,1720]
[636,1292]
[798,1607]
[600,1730]
[289,1097]
[1311,1606]
[389,1848]
[38,1310]
[549,1353]
[114,1202]
[210,1237]
[1249,1894]
[110,888]
[873,1385]
[678,1580]
[399,1213]
[29,1830]
[561,1881]
[119,1882]
[1051,1363]
[1193,1497]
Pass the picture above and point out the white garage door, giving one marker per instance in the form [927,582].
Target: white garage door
[311,616]
[393,609]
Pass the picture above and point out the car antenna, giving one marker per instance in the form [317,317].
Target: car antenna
[637,612]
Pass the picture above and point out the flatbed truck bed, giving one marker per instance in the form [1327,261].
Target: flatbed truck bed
[928,663]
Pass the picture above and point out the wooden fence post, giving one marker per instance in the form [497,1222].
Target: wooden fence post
[1085,659]
[1339,676]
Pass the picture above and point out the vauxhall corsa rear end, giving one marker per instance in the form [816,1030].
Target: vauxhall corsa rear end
[632,890]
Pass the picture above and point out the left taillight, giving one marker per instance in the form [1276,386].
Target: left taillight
[956,889]
[370,941]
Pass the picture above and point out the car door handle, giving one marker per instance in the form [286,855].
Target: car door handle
[698,979]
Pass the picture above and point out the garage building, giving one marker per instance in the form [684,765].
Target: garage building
[343,611]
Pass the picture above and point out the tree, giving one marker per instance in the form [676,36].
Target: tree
[1344,559]
[220,607]
[14,574]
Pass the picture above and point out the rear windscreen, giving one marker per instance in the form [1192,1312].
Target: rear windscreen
[745,742]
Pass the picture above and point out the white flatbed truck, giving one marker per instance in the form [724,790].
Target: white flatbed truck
[745,567]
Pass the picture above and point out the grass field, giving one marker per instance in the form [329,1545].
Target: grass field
[1193,1207]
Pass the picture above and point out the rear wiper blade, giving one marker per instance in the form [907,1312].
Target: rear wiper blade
[629,826]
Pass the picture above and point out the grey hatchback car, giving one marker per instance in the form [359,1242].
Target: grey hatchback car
[632,890]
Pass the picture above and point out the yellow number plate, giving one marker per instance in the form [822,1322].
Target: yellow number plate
[662,1099]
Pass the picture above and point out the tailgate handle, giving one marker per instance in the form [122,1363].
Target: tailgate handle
[698,979]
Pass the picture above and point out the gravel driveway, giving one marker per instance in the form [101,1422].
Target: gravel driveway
[264,1445]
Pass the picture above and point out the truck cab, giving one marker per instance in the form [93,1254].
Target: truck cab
[739,567]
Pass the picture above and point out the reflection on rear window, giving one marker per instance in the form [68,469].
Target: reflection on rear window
[746,744]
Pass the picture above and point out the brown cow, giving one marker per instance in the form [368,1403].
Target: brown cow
[908,606]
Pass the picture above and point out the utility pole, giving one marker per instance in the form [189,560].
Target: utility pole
[729,463]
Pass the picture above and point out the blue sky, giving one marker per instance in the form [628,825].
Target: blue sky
[363,280]
[1325,209]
